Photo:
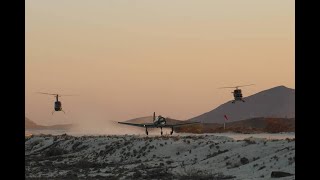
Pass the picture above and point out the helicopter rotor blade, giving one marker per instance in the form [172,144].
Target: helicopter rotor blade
[227,87]
[58,94]
[47,93]
[236,86]
[68,95]
[246,85]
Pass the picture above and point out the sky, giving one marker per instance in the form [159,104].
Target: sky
[124,59]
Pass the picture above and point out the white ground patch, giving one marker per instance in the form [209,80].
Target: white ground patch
[135,157]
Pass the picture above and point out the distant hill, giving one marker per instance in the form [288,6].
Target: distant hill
[30,125]
[277,102]
[149,119]
[253,125]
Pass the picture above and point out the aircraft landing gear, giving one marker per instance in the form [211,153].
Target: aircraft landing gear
[171,131]
[242,100]
[161,131]
[147,131]
[233,102]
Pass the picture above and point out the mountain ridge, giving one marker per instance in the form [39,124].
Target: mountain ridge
[30,125]
[277,102]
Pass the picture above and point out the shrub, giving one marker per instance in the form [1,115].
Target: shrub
[55,152]
[275,157]
[198,174]
[256,158]
[249,141]
[262,167]
[291,160]
[169,162]
[84,164]
[211,146]
[137,175]
[244,160]
[75,145]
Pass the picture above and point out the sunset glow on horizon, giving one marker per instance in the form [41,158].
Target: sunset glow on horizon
[128,58]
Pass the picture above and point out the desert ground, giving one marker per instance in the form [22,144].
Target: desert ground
[158,157]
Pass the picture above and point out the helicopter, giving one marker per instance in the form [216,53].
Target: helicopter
[57,103]
[237,94]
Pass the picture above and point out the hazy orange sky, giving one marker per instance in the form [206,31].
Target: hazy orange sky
[128,58]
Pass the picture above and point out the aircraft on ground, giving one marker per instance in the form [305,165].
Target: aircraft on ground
[158,122]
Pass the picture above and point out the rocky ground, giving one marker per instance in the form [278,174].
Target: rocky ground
[157,157]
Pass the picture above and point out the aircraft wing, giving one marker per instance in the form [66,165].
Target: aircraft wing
[139,125]
[181,124]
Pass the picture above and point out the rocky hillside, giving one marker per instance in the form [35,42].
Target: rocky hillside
[277,102]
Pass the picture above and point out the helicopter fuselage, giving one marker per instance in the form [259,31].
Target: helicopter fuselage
[57,106]
[237,95]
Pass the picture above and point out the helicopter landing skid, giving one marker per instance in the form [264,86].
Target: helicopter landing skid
[61,110]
